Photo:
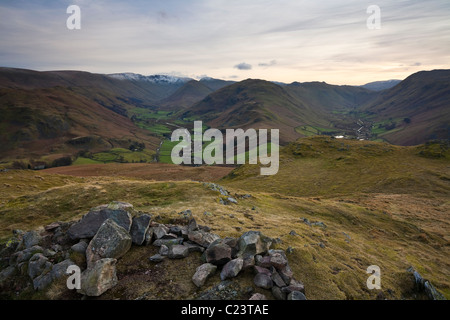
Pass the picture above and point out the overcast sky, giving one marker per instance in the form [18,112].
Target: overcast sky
[284,40]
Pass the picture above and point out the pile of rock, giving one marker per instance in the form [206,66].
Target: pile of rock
[106,233]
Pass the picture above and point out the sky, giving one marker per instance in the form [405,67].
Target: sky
[284,40]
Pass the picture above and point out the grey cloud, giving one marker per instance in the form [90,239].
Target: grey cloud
[268,64]
[243,66]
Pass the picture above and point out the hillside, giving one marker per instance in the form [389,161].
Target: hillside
[187,95]
[381,85]
[53,114]
[414,111]
[336,207]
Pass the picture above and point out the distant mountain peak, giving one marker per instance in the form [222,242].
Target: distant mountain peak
[157,78]
[381,85]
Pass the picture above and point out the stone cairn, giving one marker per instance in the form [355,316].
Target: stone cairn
[107,232]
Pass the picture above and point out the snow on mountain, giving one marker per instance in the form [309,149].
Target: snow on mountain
[157,78]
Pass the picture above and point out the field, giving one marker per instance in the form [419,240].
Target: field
[341,206]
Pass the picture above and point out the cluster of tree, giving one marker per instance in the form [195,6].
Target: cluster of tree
[137,146]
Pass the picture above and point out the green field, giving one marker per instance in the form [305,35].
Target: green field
[308,131]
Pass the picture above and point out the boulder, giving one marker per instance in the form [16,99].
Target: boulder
[148,236]
[203,238]
[278,293]
[100,277]
[258,296]
[178,252]
[202,273]
[218,253]
[231,269]
[139,228]
[294,285]
[164,250]
[286,274]
[277,280]
[156,258]
[249,262]
[259,269]
[296,295]
[278,259]
[88,226]
[263,280]
[160,231]
[167,242]
[111,241]
[58,271]
[176,230]
[252,243]
[194,247]
[80,247]
[37,265]
[6,273]
[31,238]
[192,225]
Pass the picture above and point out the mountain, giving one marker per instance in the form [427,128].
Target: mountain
[415,110]
[381,85]
[262,104]
[215,84]
[63,112]
[185,96]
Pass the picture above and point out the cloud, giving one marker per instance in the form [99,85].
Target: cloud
[268,64]
[243,66]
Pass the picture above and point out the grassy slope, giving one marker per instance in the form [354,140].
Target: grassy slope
[381,204]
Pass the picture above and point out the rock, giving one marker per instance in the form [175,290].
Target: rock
[139,228]
[202,274]
[296,295]
[264,262]
[168,236]
[252,243]
[232,200]
[99,278]
[263,280]
[259,269]
[202,238]
[37,265]
[167,242]
[218,253]
[286,274]
[42,281]
[278,294]
[258,296]
[88,226]
[176,231]
[278,259]
[231,269]
[79,247]
[277,280]
[49,253]
[156,258]
[431,292]
[294,285]
[249,262]
[59,270]
[233,243]
[293,233]
[194,247]
[164,250]
[53,226]
[187,214]
[160,231]
[148,236]
[111,241]
[6,273]
[192,226]
[31,238]
[178,252]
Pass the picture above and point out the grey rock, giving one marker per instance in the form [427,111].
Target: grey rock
[259,269]
[252,243]
[6,273]
[42,281]
[175,230]
[258,296]
[278,259]
[169,236]
[88,226]
[99,278]
[187,214]
[156,258]
[59,270]
[111,241]
[31,238]
[192,226]
[202,238]
[218,253]
[80,247]
[278,294]
[263,281]
[49,253]
[249,262]
[232,200]
[148,236]
[194,247]
[202,273]
[37,265]
[294,285]
[277,280]
[167,242]
[286,274]
[164,250]
[160,231]
[178,252]
[431,292]
[231,269]
[139,228]
[296,295]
